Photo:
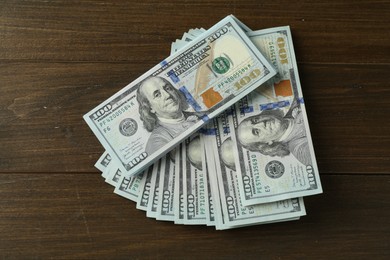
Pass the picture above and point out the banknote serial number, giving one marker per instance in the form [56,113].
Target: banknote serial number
[211,207]
[256,173]
[235,76]
[106,114]
[107,109]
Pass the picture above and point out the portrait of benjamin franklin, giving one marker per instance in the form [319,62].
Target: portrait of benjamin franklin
[270,133]
[162,109]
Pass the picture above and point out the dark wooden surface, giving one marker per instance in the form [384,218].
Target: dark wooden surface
[59,59]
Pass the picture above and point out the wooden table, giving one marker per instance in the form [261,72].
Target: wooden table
[59,59]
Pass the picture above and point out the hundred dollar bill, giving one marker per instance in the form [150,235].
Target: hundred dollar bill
[179,186]
[272,138]
[196,32]
[154,113]
[179,198]
[145,187]
[194,182]
[167,187]
[210,214]
[103,162]
[179,44]
[219,220]
[187,37]
[193,33]
[208,133]
[113,174]
[128,187]
[234,213]
[154,191]
[110,172]
[106,171]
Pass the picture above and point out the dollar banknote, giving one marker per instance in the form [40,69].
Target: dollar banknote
[167,187]
[193,33]
[154,113]
[112,174]
[210,212]
[271,135]
[180,200]
[216,177]
[234,213]
[103,162]
[151,212]
[145,189]
[194,181]
[208,133]
[179,186]
[129,187]
[187,37]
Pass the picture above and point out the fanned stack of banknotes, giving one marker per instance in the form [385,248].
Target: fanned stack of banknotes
[216,134]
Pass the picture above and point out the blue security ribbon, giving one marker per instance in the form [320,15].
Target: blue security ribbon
[205,118]
[173,76]
[208,131]
[190,99]
[271,106]
[163,63]
[247,109]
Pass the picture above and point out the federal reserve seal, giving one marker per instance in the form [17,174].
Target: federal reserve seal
[128,127]
[220,65]
[274,169]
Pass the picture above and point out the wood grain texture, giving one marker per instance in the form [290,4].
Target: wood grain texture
[77,216]
[347,32]
[59,59]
